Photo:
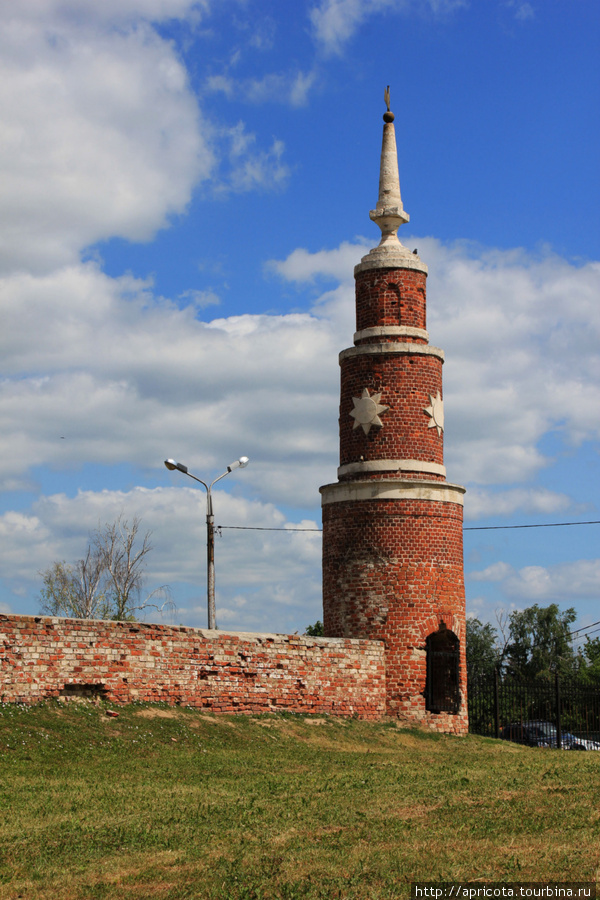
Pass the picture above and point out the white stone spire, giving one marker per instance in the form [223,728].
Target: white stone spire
[389,213]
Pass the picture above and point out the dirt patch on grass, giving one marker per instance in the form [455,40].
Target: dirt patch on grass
[212,720]
[158,714]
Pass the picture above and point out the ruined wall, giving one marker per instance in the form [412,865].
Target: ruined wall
[43,657]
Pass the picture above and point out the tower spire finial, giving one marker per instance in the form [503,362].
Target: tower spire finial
[386,97]
[389,213]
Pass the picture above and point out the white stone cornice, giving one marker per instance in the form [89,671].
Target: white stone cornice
[391,348]
[391,331]
[392,489]
[399,258]
[392,465]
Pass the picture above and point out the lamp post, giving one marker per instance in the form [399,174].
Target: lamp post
[240,463]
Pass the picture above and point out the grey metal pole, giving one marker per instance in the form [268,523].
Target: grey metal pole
[558,712]
[210,562]
[496,703]
[240,463]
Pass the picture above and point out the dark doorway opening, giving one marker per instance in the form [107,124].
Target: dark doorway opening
[442,692]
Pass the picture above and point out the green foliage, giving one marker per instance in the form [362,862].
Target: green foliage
[483,652]
[107,583]
[74,590]
[316,630]
[590,661]
[540,643]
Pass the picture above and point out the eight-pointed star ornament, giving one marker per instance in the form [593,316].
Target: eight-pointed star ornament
[436,411]
[366,411]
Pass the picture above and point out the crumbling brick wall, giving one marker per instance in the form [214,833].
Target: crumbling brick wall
[44,657]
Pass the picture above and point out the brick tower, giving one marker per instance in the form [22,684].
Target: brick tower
[392,524]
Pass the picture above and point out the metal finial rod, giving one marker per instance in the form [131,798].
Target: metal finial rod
[387,116]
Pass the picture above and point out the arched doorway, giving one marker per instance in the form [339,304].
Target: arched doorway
[442,692]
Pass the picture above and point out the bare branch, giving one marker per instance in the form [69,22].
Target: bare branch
[108,581]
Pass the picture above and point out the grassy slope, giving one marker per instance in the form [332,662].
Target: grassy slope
[175,804]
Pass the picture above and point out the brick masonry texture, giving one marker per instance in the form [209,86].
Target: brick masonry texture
[405,384]
[390,297]
[393,569]
[393,572]
[46,657]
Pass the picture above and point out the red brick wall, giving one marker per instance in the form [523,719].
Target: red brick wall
[405,383]
[390,297]
[393,571]
[219,671]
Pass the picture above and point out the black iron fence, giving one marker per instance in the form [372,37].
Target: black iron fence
[570,707]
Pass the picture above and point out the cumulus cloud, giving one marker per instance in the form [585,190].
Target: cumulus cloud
[112,369]
[99,370]
[574,580]
[335,22]
[480,503]
[520,332]
[109,12]
[262,576]
[102,135]
[303,266]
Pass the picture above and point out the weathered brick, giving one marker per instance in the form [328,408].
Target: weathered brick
[177,665]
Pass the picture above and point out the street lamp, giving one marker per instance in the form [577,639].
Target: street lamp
[240,463]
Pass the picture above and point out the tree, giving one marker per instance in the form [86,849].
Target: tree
[315,630]
[107,583]
[483,652]
[540,642]
[74,590]
[590,661]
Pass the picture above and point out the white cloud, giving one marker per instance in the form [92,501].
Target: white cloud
[520,332]
[101,134]
[200,299]
[262,576]
[97,370]
[480,503]
[109,12]
[335,22]
[303,266]
[560,583]
[496,572]
[250,168]
[289,88]
[522,9]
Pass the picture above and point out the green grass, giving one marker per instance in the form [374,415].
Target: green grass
[171,803]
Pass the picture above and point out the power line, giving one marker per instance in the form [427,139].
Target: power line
[540,525]
[467,528]
[583,628]
[259,528]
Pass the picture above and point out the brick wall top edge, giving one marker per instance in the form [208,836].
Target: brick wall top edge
[241,636]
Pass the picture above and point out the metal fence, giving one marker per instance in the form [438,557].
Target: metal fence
[572,708]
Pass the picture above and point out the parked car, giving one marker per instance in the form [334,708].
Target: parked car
[543,734]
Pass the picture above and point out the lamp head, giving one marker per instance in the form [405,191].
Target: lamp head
[240,463]
[172,466]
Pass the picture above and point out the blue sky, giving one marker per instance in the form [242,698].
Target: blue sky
[184,192]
